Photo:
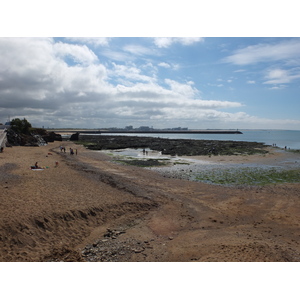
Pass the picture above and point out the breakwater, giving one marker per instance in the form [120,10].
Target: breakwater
[156,131]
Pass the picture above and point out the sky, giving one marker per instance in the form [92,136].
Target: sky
[162,65]
[164,82]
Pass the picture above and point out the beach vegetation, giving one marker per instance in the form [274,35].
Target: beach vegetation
[20,126]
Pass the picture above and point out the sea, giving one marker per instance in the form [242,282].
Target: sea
[280,138]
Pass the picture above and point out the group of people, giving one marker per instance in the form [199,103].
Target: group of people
[72,151]
[62,149]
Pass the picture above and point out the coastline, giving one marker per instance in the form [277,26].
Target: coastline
[91,209]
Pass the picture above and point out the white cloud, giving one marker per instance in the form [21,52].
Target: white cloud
[182,89]
[285,50]
[278,76]
[117,55]
[139,50]
[251,81]
[217,85]
[98,41]
[80,54]
[279,87]
[165,42]
[130,73]
[172,66]
[128,53]
[164,65]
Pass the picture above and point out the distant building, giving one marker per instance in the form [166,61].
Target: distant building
[177,128]
[180,128]
[145,128]
[129,127]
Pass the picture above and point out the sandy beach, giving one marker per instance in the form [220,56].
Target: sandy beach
[86,208]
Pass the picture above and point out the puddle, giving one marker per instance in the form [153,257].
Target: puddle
[140,153]
[152,154]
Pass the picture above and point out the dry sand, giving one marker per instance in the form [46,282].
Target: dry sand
[90,209]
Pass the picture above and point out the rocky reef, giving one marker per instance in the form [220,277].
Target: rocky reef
[180,147]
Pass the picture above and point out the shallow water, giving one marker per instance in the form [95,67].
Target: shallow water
[152,154]
[224,173]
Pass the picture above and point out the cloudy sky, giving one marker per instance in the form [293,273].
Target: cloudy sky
[161,82]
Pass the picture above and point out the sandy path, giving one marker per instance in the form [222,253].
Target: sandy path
[54,214]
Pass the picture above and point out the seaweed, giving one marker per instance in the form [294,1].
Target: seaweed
[248,176]
[142,163]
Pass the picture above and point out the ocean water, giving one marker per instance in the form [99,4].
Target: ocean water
[282,138]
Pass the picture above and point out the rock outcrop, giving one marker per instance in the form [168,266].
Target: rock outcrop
[37,137]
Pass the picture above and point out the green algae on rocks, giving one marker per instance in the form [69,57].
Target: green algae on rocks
[248,176]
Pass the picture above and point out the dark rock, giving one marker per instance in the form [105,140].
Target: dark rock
[51,137]
[74,137]
[174,147]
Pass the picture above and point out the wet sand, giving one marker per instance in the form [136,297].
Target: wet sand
[89,209]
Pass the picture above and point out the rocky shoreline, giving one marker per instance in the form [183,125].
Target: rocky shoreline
[173,147]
